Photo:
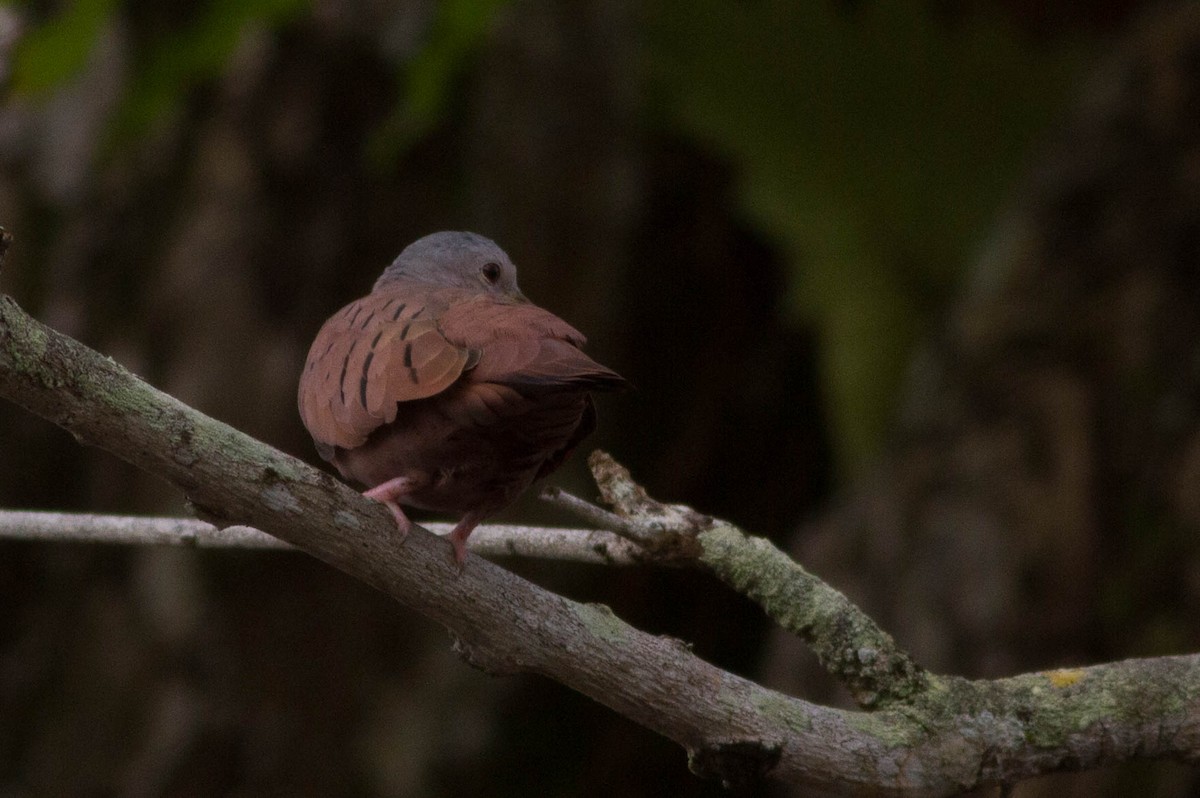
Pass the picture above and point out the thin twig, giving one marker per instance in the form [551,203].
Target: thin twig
[593,514]
[849,644]
[130,530]
[666,533]
[492,540]
[938,742]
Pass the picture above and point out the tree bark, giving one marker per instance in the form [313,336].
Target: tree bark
[946,735]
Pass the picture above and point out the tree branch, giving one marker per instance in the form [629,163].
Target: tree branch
[490,540]
[847,642]
[951,736]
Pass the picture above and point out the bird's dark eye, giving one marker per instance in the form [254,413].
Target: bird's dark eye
[491,272]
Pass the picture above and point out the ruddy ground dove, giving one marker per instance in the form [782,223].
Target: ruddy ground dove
[445,389]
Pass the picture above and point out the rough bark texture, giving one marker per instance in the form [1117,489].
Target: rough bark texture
[951,735]
[205,256]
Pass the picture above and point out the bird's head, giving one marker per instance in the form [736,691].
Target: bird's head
[455,259]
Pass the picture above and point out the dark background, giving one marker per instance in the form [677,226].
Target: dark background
[911,288]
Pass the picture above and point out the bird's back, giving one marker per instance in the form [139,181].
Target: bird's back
[477,396]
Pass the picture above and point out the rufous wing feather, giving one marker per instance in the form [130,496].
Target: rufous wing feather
[525,347]
[373,354]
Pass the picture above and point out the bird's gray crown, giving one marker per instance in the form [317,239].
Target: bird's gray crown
[453,258]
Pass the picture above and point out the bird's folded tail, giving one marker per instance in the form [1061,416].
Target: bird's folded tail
[544,365]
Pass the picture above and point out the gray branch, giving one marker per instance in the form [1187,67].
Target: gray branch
[491,540]
[847,642]
[947,736]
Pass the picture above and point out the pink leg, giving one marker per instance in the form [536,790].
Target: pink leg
[458,536]
[389,493]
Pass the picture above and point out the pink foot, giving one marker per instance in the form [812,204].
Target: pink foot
[388,494]
[458,536]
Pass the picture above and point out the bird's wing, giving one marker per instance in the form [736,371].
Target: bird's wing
[529,365]
[376,352]
[525,347]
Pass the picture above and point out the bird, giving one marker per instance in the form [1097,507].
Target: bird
[445,389]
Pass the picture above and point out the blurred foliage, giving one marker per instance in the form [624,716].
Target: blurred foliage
[187,57]
[167,68]
[56,51]
[874,142]
[458,31]
[867,144]
[182,59]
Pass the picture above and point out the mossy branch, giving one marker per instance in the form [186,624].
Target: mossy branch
[847,642]
[948,736]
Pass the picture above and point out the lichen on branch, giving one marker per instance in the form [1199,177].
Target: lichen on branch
[949,736]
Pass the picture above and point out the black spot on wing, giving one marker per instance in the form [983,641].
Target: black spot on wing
[362,381]
[345,365]
[412,372]
[399,310]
